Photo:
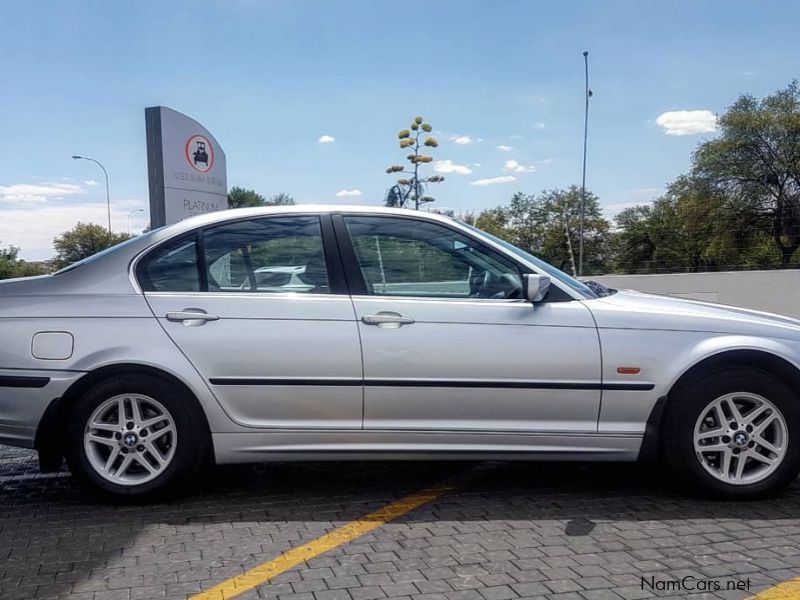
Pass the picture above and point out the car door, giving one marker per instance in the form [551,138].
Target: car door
[260,308]
[449,344]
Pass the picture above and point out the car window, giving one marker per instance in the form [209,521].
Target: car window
[553,272]
[172,267]
[278,254]
[411,257]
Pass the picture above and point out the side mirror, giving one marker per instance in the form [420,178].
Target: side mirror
[535,287]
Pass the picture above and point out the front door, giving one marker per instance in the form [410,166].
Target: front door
[448,342]
[260,309]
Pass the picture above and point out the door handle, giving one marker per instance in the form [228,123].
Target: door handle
[388,319]
[187,315]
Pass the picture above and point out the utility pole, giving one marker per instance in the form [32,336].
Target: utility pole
[569,243]
[588,93]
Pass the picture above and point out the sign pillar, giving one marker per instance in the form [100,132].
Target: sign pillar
[186,167]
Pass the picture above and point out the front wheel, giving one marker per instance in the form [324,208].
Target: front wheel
[135,436]
[735,433]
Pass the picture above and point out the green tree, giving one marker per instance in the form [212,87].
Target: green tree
[84,240]
[755,162]
[239,197]
[494,221]
[280,199]
[411,190]
[547,225]
[13,266]
[693,227]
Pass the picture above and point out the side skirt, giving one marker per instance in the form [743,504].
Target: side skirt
[409,445]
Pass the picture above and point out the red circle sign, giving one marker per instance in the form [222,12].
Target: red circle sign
[199,153]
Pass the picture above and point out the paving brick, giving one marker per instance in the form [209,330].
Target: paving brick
[546,532]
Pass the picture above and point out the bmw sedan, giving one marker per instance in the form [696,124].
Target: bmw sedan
[399,335]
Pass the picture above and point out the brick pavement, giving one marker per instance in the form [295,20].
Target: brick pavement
[513,530]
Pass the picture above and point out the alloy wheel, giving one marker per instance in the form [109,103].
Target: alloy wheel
[130,439]
[741,438]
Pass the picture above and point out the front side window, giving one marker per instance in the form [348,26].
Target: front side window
[277,254]
[411,257]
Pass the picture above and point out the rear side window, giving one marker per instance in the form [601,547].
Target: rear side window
[274,255]
[172,267]
[267,255]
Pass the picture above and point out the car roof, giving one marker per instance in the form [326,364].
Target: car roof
[290,209]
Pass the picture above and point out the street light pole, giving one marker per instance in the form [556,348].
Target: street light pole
[130,212]
[588,93]
[108,193]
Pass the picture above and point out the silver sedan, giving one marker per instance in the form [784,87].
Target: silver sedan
[308,333]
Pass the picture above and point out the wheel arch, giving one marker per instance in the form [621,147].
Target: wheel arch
[761,359]
[49,439]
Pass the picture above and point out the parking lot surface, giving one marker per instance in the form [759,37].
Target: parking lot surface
[505,530]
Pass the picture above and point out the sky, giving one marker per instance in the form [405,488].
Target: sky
[306,97]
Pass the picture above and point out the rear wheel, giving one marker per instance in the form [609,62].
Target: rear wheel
[135,436]
[735,433]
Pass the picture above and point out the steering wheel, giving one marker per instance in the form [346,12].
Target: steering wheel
[477,283]
[485,284]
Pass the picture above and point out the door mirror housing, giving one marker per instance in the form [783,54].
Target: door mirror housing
[535,286]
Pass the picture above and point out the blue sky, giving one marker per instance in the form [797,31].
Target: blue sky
[270,77]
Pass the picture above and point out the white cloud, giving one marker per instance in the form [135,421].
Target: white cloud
[448,166]
[515,136]
[515,167]
[90,182]
[36,193]
[538,125]
[32,227]
[687,122]
[505,148]
[348,193]
[494,180]
[461,139]
[326,139]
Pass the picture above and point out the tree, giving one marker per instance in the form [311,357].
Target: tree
[239,197]
[494,221]
[693,227]
[13,266]
[412,189]
[546,225]
[280,199]
[756,163]
[84,240]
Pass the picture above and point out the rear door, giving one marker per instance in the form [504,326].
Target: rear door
[260,308]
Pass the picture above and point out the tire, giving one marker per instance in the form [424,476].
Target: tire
[701,420]
[162,427]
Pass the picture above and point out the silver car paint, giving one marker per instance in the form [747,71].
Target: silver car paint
[265,335]
[101,305]
[480,340]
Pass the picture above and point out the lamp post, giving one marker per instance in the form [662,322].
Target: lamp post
[108,194]
[130,212]
[583,180]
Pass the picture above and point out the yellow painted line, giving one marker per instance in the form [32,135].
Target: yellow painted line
[342,535]
[788,590]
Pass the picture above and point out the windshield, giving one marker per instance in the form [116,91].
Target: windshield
[102,253]
[571,282]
